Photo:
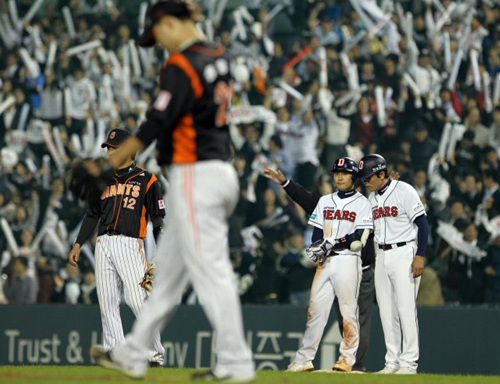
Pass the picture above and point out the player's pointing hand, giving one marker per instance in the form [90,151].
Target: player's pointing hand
[275,175]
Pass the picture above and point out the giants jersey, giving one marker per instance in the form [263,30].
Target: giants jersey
[126,204]
[340,217]
[188,117]
[394,212]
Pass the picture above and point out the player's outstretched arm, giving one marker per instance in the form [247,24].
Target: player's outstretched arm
[306,199]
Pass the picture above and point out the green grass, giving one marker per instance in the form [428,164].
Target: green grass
[70,374]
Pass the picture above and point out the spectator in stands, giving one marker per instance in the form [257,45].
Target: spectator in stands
[482,135]
[495,127]
[492,272]
[67,285]
[422,148]
[467,154]
[491,196]
[88,292]
[365,131]
[490,159]
[472,196]
[21,288]
[302,142]
[472,274]
[298,268]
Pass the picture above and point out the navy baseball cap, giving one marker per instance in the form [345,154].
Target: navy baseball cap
[345,164]
[115,138]
[177,8]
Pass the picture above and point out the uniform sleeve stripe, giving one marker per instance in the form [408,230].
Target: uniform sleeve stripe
[151,181]
[182,62]
[144,224]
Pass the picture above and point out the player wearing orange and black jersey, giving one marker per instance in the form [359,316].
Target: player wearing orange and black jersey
[126,203]
[131,197]
[191,126]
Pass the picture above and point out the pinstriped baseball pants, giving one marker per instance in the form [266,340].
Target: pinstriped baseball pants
[120,265]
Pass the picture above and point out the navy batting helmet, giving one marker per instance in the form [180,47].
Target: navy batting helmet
[371,165]
[345,164]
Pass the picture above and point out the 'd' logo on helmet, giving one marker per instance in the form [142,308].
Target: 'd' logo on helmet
[341,162]
[360,165]
[112,135]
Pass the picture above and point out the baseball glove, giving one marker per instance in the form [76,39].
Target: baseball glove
[319,250]
[87,179]
[149,278]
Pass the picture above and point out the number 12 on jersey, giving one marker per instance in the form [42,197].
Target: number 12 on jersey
[128,202]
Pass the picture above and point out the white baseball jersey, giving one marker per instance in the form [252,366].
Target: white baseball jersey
[338,276]
[394,212]
[340,217]
[302,141]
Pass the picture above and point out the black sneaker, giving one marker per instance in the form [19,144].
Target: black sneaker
[155,364]
[208,376]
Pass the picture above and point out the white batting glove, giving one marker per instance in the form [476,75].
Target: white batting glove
[319,250]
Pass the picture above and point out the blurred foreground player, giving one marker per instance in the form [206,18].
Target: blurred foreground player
[188,119]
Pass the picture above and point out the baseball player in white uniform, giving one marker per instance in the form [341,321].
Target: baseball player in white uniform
[341,221]
[401,235]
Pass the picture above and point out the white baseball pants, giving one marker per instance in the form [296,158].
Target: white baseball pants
[396,291]
[194,247]
[121,264]
[339,276]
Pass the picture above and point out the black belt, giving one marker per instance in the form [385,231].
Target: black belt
[112,233]
[386,247]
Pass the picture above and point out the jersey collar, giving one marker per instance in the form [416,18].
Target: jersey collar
[346,194]
[385,188]
[125,171]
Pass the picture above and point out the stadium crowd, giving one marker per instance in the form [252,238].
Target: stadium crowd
[417,82]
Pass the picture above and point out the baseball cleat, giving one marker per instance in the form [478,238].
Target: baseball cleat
[406,371]
[297,367]
[155,364]
[342,365]
[387,370]
[105,359]
[211,375]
